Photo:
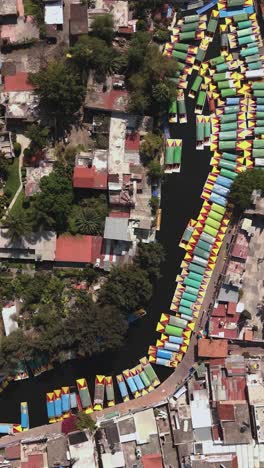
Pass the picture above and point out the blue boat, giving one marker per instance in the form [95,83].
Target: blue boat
[50,397]
[24,416]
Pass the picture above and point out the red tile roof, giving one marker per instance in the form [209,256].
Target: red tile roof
[12,452]
[240,249]
[78,249]
[125,29]
[34,461]
[231,308]
[132,142]
[114,100]
[18,82]
[226,411]
[219,311]
[90,178]
[119,214]
[152,461]
[248,335]
[212,348]
[224,327]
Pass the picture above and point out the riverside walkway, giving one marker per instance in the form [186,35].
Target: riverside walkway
[182,371]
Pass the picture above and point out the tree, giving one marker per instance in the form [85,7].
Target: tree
[15,347]
[60,91]
[162,35]
[141,25]
[137,51]
[38,136]
[89,216]
[17,225]
[4,167]
[243,186]
[155,171]
[88,222]
[161,93]
[52,205]
[17,149]
[148,74]
[85,421]
[150,146]
[149,258]
[92,53]
[103,27]
[128,288]
[246,315]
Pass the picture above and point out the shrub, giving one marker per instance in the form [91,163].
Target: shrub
[154,204]
[17,149]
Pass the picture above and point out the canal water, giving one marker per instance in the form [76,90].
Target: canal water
[180,202]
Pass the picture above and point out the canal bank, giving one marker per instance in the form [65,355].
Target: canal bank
[180,202]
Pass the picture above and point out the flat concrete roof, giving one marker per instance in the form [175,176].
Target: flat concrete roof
[8,7]
[145,425]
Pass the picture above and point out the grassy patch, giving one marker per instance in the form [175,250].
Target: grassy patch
[19,202]
[12,182]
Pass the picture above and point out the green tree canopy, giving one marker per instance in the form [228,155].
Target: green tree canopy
[155,171]
[60,90]
[128,288]
[14,348]
[148,72]
[103,27]
[17,225]
[4,167]
[150,146]
[88,217]
[149,258]
[92,53]
[243,186]
[85,421]
[38,136]
[52,205]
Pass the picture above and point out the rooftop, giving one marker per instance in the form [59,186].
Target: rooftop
[54,13]
[145,424]
[224,326]
[17,82]
[78,19]
[57,452]
[25,29]
[8,7]
[37,247]
[152,461]
[226,387]
[240,249]
[238,431]
[228,294]
[78,249]
[91,170]
[118,8]
[89,178]
[20,105]
[212,348]
[200,413]
[110,100]
[117,229]
[84,452]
